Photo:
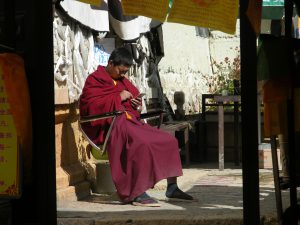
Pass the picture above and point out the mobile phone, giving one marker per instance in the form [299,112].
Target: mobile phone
[140,95]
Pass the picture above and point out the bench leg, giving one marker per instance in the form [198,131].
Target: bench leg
[187,147]
[221,136]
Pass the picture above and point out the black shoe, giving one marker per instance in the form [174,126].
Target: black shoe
[179,195]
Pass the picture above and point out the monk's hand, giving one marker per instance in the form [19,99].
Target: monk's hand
[136,103]
[125,95]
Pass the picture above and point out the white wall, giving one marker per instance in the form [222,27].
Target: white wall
[188,57]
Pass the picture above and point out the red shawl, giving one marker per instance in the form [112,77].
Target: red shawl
[101,95]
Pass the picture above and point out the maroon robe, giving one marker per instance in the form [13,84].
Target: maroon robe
[139,155]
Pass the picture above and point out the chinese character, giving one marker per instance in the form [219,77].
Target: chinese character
[1,135]
[8,135]
[3,123]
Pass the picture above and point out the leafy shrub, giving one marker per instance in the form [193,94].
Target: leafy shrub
[224,74]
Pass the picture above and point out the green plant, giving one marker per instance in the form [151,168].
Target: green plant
[224,74]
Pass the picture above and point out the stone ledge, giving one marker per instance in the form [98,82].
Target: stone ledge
[155,221]
[69,175]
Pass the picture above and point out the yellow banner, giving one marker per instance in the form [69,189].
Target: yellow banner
[9,157]
[216,14]
[154,9]
[92,2]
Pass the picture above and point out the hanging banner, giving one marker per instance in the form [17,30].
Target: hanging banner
[92,2]
[273,9]
[102,50]
[9,157]
[149,8]
[216,14]
[254,14]
[273,2]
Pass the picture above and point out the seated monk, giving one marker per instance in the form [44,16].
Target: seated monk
[139,155]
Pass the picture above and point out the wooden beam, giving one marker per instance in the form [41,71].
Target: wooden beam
[251,212]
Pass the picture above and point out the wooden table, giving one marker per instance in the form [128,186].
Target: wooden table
[221,100]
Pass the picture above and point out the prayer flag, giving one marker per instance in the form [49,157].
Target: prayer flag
[149,8]
[92,2]
[216,14]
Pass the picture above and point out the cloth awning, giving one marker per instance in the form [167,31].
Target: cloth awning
[273,9]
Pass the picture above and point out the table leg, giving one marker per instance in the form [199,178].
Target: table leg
[221,135]
[236,135]
[186,146]
[275,167]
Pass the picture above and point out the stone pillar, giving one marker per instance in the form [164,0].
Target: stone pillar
[71,158]
[179,100]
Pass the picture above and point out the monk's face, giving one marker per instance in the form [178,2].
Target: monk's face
[117,72]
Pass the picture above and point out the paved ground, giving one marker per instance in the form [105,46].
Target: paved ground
[219,195]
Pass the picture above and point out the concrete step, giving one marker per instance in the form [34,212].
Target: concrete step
[74,193]
[153,221]
[69,175]
[218,194]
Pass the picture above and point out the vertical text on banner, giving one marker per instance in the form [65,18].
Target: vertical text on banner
[9,157]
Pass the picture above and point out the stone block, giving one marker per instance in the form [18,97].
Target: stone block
[103,181]
[69,175]
[74,193]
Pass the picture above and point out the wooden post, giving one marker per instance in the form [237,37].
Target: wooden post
[221,135]
[236,135]
[186,145]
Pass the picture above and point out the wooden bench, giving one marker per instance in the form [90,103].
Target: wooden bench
[172,127]
[156,117]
